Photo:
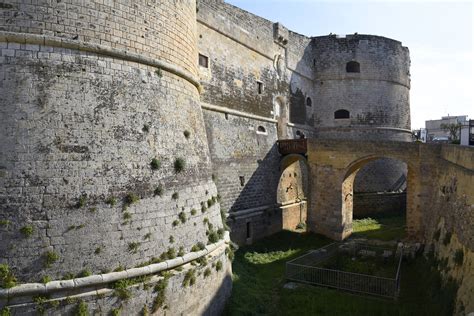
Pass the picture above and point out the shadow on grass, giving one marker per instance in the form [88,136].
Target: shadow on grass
[259,278]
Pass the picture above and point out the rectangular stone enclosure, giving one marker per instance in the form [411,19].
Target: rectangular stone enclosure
[352,267]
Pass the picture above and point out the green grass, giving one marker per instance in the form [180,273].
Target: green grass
[383,227]
[259,279]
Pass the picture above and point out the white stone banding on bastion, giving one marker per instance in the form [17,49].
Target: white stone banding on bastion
[46,40]
[98,279]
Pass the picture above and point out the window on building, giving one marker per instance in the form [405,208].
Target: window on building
[341,114]
[260,87]
[242,180]
[261,130]
[309,102]
[353,66]
[248,230]
[203,61]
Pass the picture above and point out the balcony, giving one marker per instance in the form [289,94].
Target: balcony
[292,146]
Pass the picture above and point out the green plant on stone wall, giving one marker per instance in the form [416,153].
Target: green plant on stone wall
[27,230]
[158,191]
[147,236]
[111,201]
[81,309]
[5,223]
[182,217]
[155,164]
[160,289]
[175,196]
[171,239]
[159,73]
[193,212]
[459,257]
[50,258]
[189,278]
[5,311]
[127,216]
[197,247]
[133,247]
[203,207]
[116,311]
[121,289]
[219,265]
[212,236]
[179,165]
[84,273]
[97,250]
[82,201]
[7,278]
[181,251]
[175,223]
[131,198]
[171,253]
[40,303]
[45,279]
[145,311]
[437,234]
[146,128]
[187,134]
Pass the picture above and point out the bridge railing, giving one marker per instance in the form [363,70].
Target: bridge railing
[292,146]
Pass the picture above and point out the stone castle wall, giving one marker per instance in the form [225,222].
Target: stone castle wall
[104,160]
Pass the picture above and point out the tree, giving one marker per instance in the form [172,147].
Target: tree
[453,129]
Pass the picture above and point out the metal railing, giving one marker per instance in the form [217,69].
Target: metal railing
[308,269]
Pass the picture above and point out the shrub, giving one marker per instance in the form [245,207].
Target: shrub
[218,265]
[7,279]
[213,237]
[210,202]
[220,233]
[50,258]
[119,268]
[116,311]
[81,202]
[181,252]
[189,278]
[203,207]
[158,190]
[179,165]
[160,288]
[182,217]
[145,311]
[97,250]
[127,216]
[111,201]
[155,164]
[147,236]
[146,128]
[84,273]
[193,211]
[171,239]
[133,246]
[45,279]
[131,198]
[202,260]
[121,289]
[171,253]
[207,272]
[5,311]
[447,238]
[175,196]
[81,309]
[197,247]
[459,257]
[27,231]
[187,134]
[159,73]
[175,223]
[224,220]
[230,253]
[68,276]
[4,222]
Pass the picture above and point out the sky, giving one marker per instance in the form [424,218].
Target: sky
[439,35]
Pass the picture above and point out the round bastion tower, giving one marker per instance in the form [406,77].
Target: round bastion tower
[362,90]
[104,162]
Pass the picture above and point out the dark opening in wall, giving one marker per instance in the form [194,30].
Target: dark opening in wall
[261,130]
[248,230]
[242,180]
[353,66]
[203,61]
[341,114]
[309,102]
[260,87]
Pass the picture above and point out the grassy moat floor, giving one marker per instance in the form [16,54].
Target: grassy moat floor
[259,278]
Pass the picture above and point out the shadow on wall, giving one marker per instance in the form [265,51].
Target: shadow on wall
[220,298]
[249,218]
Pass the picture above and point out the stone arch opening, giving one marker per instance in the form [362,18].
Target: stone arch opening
[341,114]
[381,204]
[292,192]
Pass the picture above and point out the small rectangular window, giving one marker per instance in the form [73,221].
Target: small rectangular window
[260,87]
[249,234]
[242,180]
[203,61]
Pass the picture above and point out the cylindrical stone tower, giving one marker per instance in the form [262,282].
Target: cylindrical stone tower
[104,161]
[362,92]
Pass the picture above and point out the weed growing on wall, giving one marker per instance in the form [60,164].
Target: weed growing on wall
[179,165]
[155,164]
[7,279]
[27,230]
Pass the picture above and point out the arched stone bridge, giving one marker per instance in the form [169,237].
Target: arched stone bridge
[333,165]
